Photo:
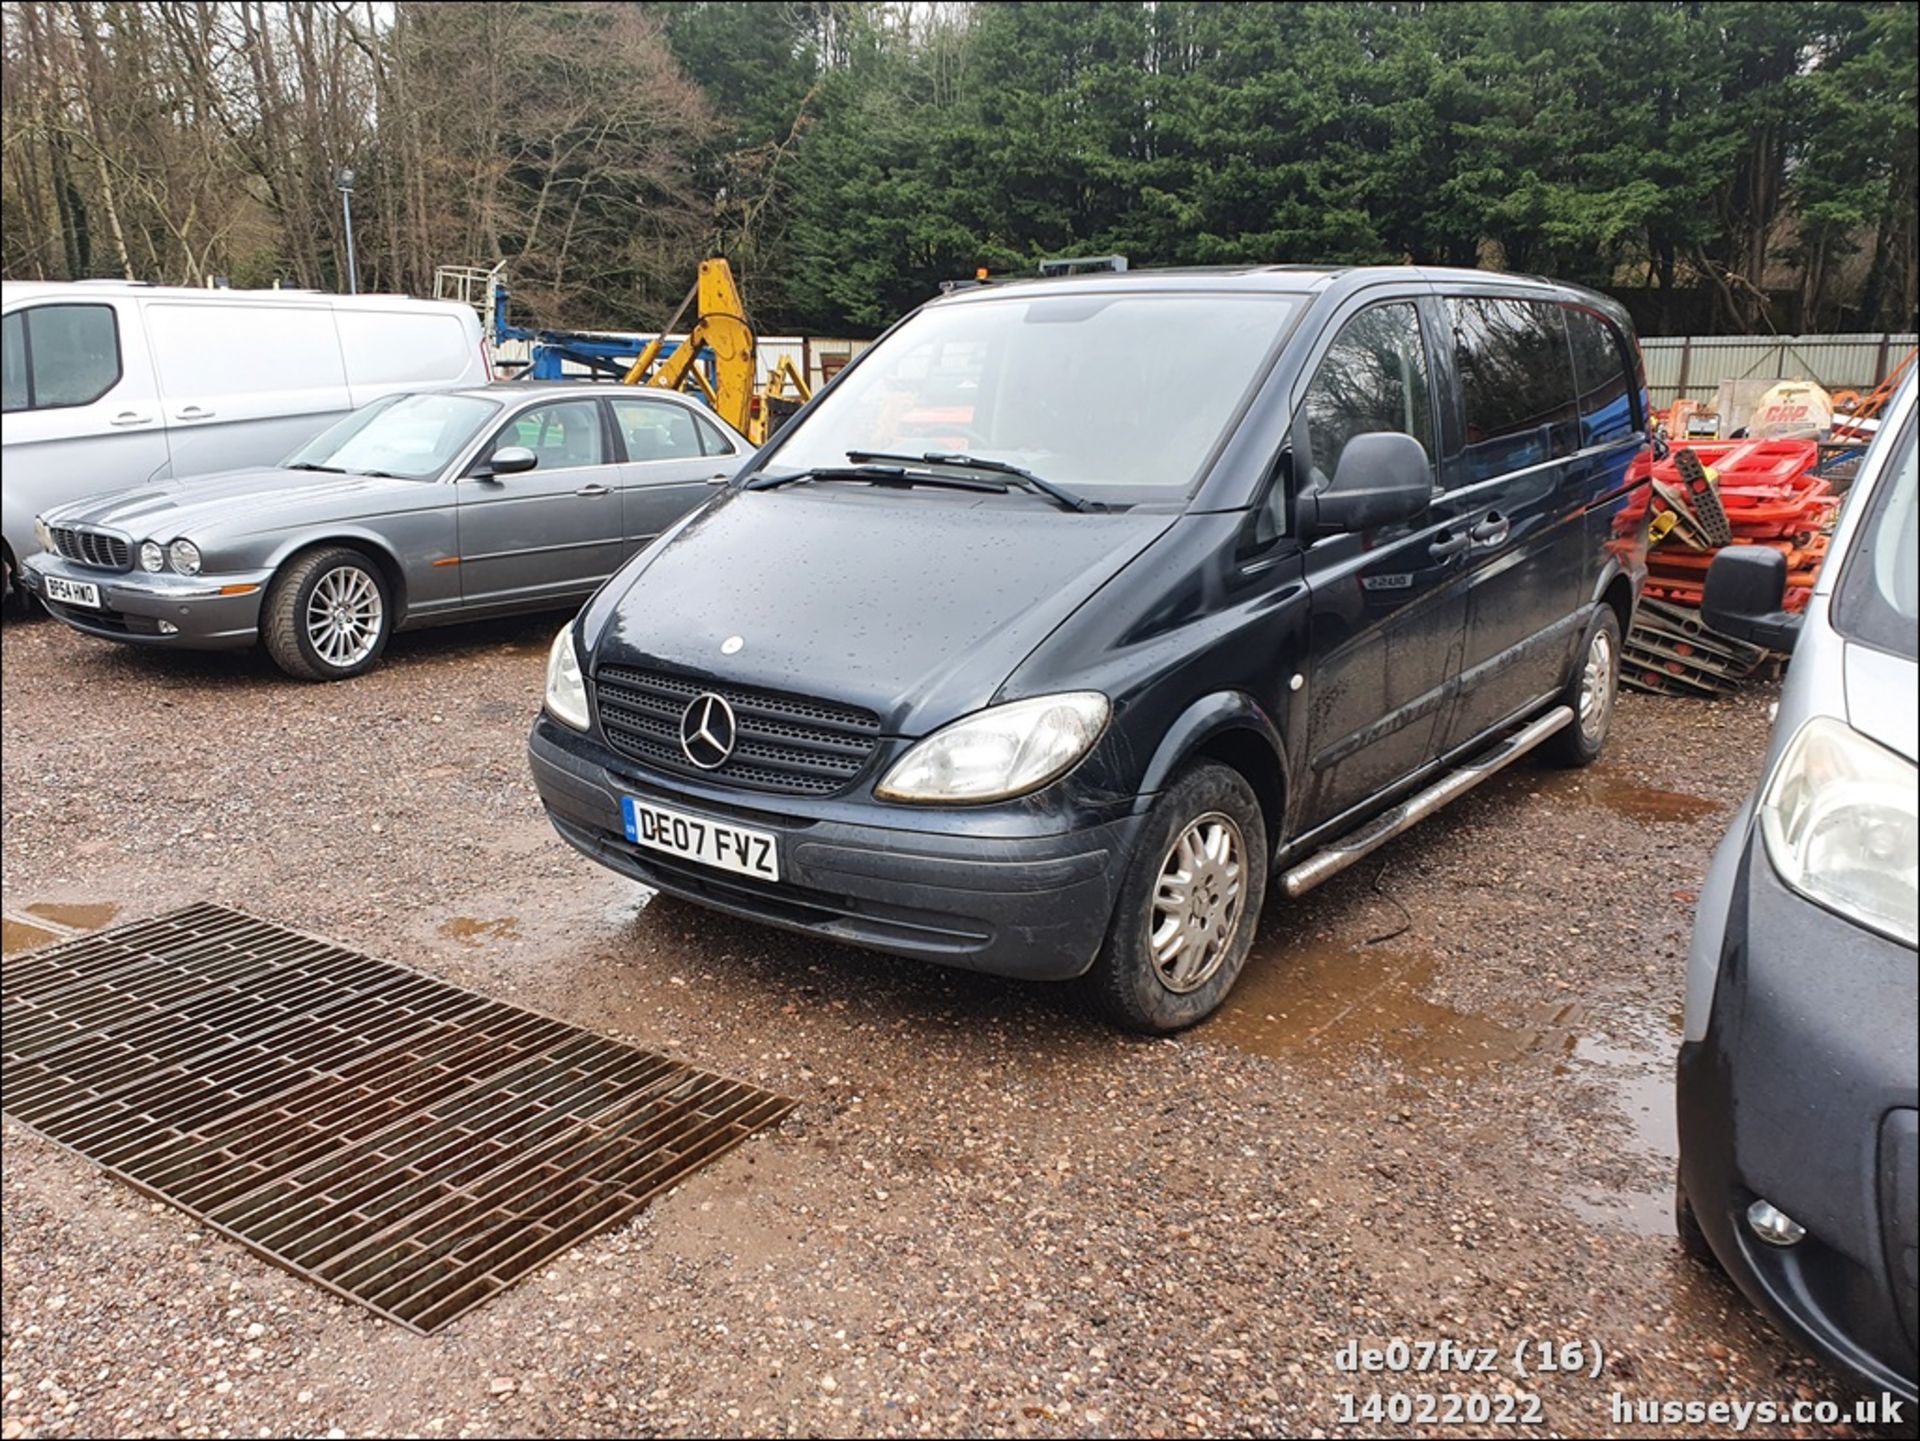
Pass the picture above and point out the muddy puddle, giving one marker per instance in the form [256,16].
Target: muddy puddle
[1297,1001]
[1327,1003]
[1646,803]
[20,936]
[474,931]
[84,916]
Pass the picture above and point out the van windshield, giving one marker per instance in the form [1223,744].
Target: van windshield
[1119,397]
[1878,600]
[406,437]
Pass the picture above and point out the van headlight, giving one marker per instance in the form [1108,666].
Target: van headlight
[1000,752]
[566,687]
[1839,820]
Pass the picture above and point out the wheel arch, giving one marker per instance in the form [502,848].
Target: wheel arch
[1616,588]
[372,546]
[1231,728]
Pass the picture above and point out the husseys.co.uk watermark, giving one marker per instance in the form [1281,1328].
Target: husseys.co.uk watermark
[1885,1410]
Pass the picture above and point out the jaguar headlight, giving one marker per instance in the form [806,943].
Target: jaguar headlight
[1839,820]
[185,556]
[1000,752]
[152,557]
[42,534]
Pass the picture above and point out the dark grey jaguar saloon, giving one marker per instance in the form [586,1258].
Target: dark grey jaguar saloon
[412,511]
[1077,614]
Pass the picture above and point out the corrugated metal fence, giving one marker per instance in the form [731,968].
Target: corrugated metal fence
[1695,365]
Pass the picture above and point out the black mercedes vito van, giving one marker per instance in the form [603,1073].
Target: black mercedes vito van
[1077,615]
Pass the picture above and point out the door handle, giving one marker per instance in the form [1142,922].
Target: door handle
[1446,545]
[721,479]
[1490,531]
[595,489]
[131,417]
[193,412]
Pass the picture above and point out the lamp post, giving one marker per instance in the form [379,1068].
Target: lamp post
[344,184]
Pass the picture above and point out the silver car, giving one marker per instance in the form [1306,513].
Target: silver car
[415,510]
[1799,1073]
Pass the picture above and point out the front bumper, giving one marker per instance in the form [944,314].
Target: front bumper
[1032,906]
[1802,1091]
[134,603]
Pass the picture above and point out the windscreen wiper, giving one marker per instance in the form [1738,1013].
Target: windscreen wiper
[309,465]
[884,475]
[1058,494]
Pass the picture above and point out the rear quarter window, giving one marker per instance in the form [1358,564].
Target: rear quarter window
[1604,376]
[1517,384]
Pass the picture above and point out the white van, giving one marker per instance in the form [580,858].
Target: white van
[110,384]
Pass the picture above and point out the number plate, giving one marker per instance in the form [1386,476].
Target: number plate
[712,843]
[72,592]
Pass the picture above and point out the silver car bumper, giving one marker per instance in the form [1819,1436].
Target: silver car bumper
[192,612]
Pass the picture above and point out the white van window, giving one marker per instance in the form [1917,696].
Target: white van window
[208,350]
[60,355]
[13,363]
[389,347]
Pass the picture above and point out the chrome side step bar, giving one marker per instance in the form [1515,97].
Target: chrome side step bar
[1357,845]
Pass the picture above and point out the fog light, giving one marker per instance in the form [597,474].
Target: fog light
[1773,1225]
[167,627]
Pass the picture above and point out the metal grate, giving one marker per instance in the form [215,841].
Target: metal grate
[405,1143]
[93,547]
[788,745]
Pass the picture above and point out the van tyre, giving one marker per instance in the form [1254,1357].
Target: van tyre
[1591,693]
[328,615]
[1189,905]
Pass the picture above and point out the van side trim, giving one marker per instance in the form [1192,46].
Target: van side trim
[1325,864]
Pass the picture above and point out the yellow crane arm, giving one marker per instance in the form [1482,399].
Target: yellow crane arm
[722,328]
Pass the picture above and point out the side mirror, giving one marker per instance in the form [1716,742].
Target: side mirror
[1746,597]
[1384,477]
[508,460]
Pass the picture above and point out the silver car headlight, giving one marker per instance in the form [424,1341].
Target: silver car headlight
[152,557]
[566,687]
[185,556]
[42,534]
[1000,752]
[1839,820]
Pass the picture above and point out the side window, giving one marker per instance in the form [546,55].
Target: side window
[1516,383]
[60,355]
[712,442]
[656,430]
[13,362]
[1373,378]
[1603,374]
[564,436]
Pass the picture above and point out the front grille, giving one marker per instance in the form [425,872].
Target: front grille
[786,745]
[93,547]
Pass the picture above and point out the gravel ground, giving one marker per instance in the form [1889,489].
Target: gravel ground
[1438,1107]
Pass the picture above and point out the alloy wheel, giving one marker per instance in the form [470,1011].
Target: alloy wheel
[1596,687]
[1197,902]
[344,616]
